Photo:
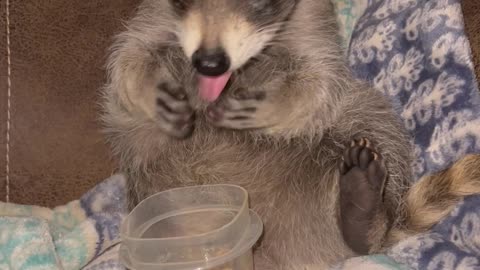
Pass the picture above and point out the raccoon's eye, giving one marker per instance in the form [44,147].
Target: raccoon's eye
[181,5]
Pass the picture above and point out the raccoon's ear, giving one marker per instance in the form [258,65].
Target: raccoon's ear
[180,6]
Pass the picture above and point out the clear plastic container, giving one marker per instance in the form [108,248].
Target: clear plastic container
[192,228]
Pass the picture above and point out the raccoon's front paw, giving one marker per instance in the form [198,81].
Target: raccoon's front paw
[362,179]
[175,115]
[244,110]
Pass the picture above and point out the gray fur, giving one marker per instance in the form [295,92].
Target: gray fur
[289,162]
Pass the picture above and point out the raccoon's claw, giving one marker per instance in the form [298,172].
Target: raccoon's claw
[362,179]
[361,158]
[237,112]
[175,115]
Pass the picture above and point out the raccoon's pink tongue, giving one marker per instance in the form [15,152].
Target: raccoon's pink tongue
[211,87]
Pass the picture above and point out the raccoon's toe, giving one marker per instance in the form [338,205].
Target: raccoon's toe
[241,119]
[175,115]
[237,112]
[359,154]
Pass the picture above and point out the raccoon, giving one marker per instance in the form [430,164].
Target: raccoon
[257,93]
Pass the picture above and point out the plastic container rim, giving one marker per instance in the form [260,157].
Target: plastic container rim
[244,207]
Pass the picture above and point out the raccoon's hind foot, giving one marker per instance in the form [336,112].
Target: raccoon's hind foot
[362,179]
[175,115]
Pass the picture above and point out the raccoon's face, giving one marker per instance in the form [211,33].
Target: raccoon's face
[220,36]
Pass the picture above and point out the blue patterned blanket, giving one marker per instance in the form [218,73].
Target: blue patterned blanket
[417,53]
[80,235]
[414,51]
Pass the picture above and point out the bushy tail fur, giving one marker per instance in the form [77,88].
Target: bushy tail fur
[434,197]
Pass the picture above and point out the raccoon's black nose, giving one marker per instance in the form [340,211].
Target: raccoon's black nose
[211,63]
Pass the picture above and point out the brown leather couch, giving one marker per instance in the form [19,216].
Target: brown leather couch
[58,50]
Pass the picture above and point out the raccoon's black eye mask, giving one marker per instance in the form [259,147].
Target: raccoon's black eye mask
[181,6]
[264,12]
